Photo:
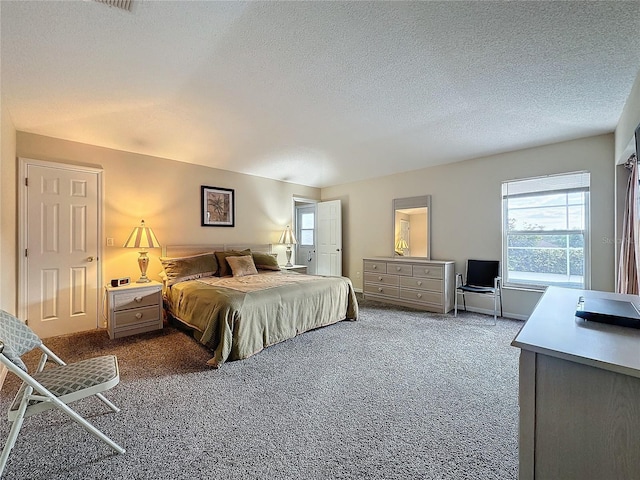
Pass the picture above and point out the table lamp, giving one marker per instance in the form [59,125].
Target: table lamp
[287,238]
[142,237]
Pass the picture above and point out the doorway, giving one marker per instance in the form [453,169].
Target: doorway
[60,227]
[318,230]
[305,231]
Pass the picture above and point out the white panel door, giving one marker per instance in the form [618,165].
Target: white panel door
[329,243]
[62,250]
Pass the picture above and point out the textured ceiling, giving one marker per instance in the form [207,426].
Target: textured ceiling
[318,93]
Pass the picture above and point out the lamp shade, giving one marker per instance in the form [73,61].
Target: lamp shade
[401,244]
[287,237]
[142,237]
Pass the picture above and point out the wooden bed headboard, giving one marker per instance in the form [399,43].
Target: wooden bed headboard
[173,251]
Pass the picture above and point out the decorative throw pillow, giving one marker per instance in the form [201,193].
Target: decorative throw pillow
[241,266]
[223,267]
[265,261]
[189,268]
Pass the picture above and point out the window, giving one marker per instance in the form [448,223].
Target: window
[545,231]
[307,224]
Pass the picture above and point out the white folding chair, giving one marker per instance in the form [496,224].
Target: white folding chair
[483,278]
[52,387]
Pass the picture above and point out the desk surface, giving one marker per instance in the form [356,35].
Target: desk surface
[553,329]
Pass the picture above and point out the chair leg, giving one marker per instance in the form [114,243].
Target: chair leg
[495,308]
[87,426]
[15,429]
[107,402]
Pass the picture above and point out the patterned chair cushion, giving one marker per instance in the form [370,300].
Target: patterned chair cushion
[65,379]
[17,337]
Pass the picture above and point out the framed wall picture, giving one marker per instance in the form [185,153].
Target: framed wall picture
[217,206]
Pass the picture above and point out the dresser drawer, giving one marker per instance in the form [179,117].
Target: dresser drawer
[399,269]
[135,299]
[421,283]
[381,290]
[421,296]
[381,278]
[374,266]
[427,271]
[136,316]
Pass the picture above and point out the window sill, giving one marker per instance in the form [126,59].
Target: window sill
[525,288]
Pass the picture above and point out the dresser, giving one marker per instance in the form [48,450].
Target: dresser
[134,308]
[422,284]
[579,393]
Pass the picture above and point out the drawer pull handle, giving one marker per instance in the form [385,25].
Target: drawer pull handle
[419,283]
[138,315]
[138,299]
[398,269]
[379,279]
[426,270]
[380,289]
[375,266]
[419,295]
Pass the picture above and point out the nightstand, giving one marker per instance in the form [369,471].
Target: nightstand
[134,308]
[294,268]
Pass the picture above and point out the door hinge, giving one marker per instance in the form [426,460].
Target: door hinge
[26,252]
[26,181]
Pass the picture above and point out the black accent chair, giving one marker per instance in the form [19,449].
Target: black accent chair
[483,278]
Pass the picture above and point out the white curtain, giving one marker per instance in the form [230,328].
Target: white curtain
[628,266]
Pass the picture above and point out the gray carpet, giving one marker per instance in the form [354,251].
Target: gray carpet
[398,394]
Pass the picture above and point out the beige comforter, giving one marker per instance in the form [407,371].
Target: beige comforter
[238,317]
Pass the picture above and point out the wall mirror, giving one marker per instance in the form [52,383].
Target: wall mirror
[412,227]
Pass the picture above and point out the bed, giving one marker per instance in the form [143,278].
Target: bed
[236,310]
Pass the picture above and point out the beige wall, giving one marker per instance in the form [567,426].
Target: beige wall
[166,194]
[466,209]
[8,201]
[629,121]
[466,213]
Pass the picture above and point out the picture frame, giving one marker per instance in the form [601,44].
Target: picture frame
[217,206]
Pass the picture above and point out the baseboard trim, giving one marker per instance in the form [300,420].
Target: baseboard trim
[513,316]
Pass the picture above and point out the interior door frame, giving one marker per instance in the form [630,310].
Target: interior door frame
[22,228]
[295,202]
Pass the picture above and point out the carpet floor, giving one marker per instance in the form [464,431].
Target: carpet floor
[398,394]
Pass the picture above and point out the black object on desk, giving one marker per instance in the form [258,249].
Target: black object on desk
[615,312]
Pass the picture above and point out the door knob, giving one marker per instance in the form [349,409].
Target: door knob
[89,259]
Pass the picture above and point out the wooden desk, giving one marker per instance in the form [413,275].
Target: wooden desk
[579,393]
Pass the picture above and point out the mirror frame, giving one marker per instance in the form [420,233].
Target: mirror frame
[411,202]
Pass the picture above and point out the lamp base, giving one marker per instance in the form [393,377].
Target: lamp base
[288,264]
[143,263]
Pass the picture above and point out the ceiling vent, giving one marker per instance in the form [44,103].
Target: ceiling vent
[121,4]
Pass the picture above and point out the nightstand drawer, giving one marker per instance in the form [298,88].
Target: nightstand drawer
[126,300]
[136,316]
